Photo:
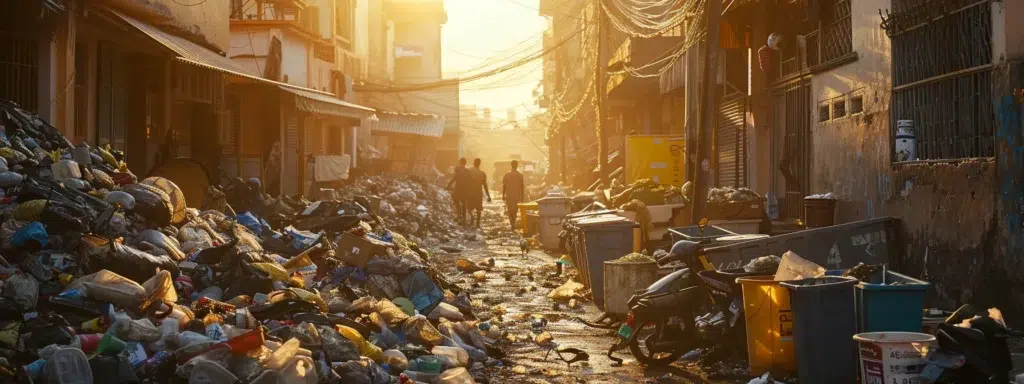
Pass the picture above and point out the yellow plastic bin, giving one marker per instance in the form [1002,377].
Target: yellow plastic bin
[523,209]
[769,323]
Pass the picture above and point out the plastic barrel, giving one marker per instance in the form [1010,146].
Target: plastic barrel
[769,325]
[890,308]
[819,213]
[823,325]
[892,357]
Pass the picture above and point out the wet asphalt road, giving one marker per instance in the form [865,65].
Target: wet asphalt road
[516,288]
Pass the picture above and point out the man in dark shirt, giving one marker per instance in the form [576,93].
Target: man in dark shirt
[513,191]
[460,181]
[476,192]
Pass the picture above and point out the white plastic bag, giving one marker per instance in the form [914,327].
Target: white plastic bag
[794,267]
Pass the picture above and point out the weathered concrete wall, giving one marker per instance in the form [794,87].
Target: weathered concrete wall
[208,19]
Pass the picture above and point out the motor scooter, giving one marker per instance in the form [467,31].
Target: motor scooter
[972,349]
[662,323]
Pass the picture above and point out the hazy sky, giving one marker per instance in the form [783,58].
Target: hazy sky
[484,34]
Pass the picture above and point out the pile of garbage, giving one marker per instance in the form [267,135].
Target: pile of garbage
[732,195]
[106,278]
[647,191]
[422,210]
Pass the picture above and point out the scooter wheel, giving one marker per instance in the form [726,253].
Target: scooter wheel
[650,358]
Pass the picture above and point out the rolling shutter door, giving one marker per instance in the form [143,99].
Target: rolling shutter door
[731,143]
[289,181]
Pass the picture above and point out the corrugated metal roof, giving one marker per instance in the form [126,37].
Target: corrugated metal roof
[308,100]
[323,104]
[408,123]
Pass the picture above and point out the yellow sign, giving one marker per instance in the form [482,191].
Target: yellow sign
[656,157]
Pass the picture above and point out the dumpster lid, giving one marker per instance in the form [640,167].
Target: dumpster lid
[552,198]
[738,238]
[605,221]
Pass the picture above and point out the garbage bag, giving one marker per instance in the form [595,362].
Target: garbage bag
[3,165]
[193,236]
[383,286]
[29,211]
[337,347]
[11,156]
[61,217]
[122,259]
[177,197]
[121,198]
[10,179]
[8,229]
[109,287]
[33,232]
[128,329]
[101,179]
[23,289]
[423,292]
[160,240]
[388,311]
[152,203]
[65,169]
[418,329]
[363,370]
[250,222]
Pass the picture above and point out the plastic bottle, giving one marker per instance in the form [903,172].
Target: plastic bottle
[280,358]
[396,359]
[365,347]
[456,376]
[426,364]
[457,357]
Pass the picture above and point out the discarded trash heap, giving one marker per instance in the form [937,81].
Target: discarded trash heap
[108,278]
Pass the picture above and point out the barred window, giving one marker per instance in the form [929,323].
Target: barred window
[941,55]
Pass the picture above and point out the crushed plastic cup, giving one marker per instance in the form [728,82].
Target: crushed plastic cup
[111,345]
[248,341]
[90,342]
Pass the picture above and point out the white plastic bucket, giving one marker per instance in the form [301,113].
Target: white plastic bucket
[906,141]
[892,357]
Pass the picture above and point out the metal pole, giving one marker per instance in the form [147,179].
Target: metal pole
[707,119]
[602,140]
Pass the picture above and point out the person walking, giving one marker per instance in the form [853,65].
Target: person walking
[459,185]
[513,191]
[476,192]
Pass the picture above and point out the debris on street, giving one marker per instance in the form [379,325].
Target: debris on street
[109,278]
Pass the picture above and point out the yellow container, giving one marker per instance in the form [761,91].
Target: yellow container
[523,208]
[769,321]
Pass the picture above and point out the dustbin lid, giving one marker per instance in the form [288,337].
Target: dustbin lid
[553,199]
[739,238]
[605,221]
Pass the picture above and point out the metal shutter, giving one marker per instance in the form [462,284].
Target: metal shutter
[289,180]
[731,143]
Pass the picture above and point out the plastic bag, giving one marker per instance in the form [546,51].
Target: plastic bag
[362,371]
[794,267]
[65,169]
[447,311]
[33,232]
[385,338]
[23,289]
[422,291]
[124,260]
[30,210]
[250,222]
[337,347]
[160,288]
[152,203]
[10,179]
[121,198]
[3,165]
[567,291]
[128,329]
[365,347]
[383,286]
[168,244]
[418,329]
[109,287]
[101,179]
[193,236]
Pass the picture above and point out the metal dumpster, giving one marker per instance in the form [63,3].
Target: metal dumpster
[600,239]
[568,236]
[872,241]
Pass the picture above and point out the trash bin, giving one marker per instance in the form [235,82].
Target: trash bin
[524,210]
[823,328]
[601,239]
[819,212]
[622,279]
[769,325]
[892,304]
[552,209]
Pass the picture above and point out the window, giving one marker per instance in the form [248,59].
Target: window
[824,113]
[856,104]
[839,108]
[941,76]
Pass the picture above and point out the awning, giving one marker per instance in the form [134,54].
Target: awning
[307,100]
[326,104]
[408,123]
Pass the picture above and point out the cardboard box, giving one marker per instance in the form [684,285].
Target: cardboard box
[356,251]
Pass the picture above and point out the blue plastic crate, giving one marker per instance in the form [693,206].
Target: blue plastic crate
[890,307]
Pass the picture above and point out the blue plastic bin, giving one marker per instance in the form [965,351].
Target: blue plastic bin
[890,307]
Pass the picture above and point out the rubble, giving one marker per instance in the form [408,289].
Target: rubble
[732,195]
[108,278]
